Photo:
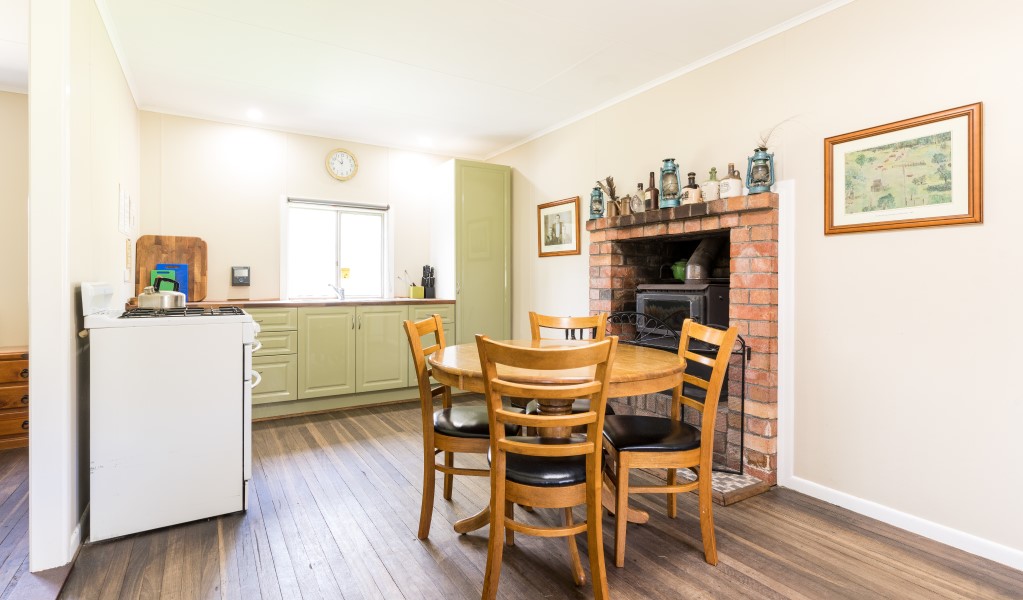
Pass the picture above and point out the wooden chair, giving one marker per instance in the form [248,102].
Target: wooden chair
[639,442]
[556,470]
[448,430]
[596,325]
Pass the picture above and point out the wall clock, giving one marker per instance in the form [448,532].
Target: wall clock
[342,164]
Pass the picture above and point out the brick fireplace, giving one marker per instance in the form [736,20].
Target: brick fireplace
[630,250]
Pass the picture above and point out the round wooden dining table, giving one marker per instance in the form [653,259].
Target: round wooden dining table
[636,370]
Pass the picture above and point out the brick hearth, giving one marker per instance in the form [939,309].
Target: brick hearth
[629,250]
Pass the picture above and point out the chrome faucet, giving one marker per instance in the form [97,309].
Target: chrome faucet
[340,291]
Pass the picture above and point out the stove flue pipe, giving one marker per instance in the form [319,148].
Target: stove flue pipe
[701,262]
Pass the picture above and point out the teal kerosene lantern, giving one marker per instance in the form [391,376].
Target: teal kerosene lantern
[670,188]
[596,203]
[760,171]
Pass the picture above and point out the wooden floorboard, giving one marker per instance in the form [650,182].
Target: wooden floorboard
[13,519]
[334,508]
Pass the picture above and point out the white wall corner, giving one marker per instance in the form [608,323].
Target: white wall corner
[786,327]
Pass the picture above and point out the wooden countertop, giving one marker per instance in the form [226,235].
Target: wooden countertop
[319,303]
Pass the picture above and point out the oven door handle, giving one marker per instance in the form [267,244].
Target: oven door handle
[256,378]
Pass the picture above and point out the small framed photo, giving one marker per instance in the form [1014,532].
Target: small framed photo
[919,172]
[557,226]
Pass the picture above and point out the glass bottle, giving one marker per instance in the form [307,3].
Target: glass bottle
[731,185]
[651,194]
[691,192]
[637,204]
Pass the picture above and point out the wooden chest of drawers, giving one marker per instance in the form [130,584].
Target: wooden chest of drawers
[13,397]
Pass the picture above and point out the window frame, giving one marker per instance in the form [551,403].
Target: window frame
[339,208]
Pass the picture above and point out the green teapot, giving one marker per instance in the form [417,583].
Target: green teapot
[678,270]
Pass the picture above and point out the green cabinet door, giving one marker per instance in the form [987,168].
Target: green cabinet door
[277,378]
[326,352]
[482,251]
[382,352]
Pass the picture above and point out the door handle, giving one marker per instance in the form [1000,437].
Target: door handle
[23,374]
[360,321]
[258,378]
[24,399]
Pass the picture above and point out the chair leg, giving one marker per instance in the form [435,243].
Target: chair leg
[449,479]
[509,536]
[706,503]
[621,507]
[578,575]
[595,541]
[672,505]
[429,485]
[495,545]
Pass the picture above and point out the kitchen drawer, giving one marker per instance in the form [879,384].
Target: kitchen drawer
[275,319]
[446,312]
[279,378]
[13,396]
[13,371]
[13,423]
[277,342]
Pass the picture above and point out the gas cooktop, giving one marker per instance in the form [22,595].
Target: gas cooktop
[185,311]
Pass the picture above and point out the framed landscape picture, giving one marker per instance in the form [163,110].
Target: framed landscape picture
[557,226]
[918,172]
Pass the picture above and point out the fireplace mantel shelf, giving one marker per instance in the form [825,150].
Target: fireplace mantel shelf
[699,210]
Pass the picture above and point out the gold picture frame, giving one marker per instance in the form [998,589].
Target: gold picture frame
[557,227]
[918,172]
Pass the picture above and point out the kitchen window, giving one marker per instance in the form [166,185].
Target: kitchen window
[335,244]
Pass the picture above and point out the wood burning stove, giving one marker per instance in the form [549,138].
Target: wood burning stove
[673,303]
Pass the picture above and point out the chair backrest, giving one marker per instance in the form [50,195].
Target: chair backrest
[724,340]
[415,330]
[544,382]
[573,327]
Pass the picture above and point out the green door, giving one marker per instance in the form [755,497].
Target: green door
[382,348]
[326,352]
[482,250]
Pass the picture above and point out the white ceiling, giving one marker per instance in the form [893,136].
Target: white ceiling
[457,77]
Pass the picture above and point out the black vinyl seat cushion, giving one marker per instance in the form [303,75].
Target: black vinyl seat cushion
[545,471]
[468,422]
[636,433]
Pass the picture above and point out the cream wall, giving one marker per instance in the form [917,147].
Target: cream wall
[84,143]
[14,225]
[898,334]
[225,184]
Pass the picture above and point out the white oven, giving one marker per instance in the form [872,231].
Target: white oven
[170,415]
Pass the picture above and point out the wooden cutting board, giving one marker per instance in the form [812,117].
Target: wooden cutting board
[151,250]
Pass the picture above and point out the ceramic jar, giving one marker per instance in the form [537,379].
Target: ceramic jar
[691,193]
[711,188]
[731,185]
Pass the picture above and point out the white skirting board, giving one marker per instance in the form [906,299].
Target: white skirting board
[912,523]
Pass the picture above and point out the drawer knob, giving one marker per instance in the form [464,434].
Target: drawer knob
[24,374]
[24,399]
[24,424]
